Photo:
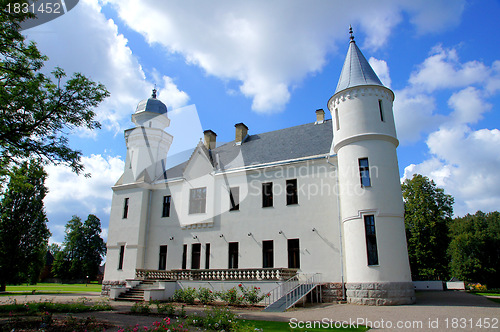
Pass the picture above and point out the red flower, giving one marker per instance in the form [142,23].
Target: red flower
[240,285]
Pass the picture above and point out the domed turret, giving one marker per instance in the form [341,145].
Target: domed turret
[151,112]
[152,105]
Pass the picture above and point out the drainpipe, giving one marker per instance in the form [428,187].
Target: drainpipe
[340,231]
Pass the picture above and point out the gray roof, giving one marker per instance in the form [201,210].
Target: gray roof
[356,71]
[285,144]
[151,105]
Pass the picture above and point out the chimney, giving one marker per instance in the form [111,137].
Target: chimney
[210,139]
[241,132]
[320,116]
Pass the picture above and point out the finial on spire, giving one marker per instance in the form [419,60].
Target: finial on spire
[154,92]
[351,33]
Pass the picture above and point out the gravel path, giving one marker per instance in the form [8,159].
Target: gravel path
[434,311]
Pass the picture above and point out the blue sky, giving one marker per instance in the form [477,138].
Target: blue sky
[271,64]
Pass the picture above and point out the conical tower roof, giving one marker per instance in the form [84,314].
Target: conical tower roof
[356,71]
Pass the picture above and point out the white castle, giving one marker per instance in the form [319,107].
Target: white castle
[318,204]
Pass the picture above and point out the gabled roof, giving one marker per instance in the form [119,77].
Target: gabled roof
[285,144]
[356,71]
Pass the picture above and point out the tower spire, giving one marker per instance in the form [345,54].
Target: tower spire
[154,92]
[352,34]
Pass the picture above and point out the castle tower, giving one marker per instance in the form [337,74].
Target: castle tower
[376,258]
[147,143]
[147,147]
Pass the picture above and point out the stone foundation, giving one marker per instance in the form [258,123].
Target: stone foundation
[332,292]
[107,284]
[381,293]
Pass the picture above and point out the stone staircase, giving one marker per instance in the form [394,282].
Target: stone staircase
[136,293]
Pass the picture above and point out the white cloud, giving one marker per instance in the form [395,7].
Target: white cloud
[443,70]
[72,194]
[382,70]
[268,46]
[464,163]
[414,115]
[83,40]
[468,105]
[415,109]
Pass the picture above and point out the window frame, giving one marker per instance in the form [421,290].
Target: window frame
[364,173]
[196,256]
[292,192]
[234,198]
[292,252]
[121,256]
[198,205]
[381,110]
[165,212]
[184,257]
[207,256]
[371,240]
[125,208]
[162,264]
[233,263]
[267,254]
[267,197]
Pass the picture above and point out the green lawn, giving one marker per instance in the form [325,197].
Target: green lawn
[45,288]
[269,326]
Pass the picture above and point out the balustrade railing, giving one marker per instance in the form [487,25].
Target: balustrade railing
[279,274]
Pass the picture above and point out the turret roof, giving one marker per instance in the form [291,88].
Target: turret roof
[356,71]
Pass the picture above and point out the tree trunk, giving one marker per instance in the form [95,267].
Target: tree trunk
[2,286]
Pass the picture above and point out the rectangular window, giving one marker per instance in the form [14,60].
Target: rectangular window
[233,255]
[267,254]
[197,200]
[364,172]
[125,208]
[267,194]
[165,212]
[381,110]
[184,256]
[234,199]
[120,258]
[337,122]
[207,255]
[162,265]
[292,196]
[371,240]
[195,255]
[293,254]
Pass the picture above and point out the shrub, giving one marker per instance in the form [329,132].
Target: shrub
[205,295]
[215,319]
[231,296]
[186,295]
[165,308]
[252,295]
[141,308]
[477,287]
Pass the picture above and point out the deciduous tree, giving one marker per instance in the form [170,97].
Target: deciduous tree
[38,110]
[83,249]
[428,211]
[23,225]
[475,248]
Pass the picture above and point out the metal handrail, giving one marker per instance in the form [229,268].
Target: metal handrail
[291,288]
[278,292]
[292,297]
